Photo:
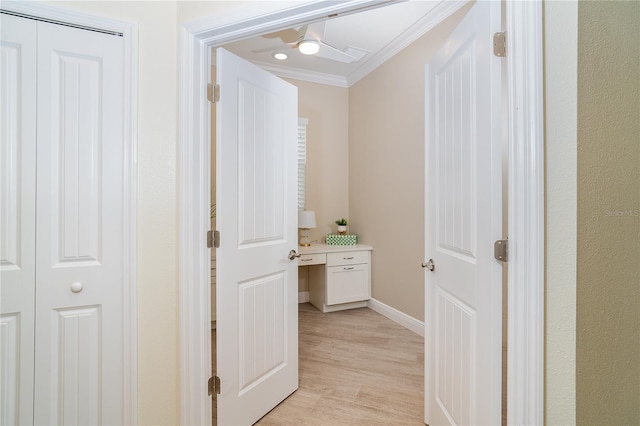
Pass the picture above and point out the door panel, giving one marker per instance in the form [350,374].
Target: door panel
[17,219]
[80,277]
[463,219]
[256,174]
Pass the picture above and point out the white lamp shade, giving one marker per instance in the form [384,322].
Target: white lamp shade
[306,219]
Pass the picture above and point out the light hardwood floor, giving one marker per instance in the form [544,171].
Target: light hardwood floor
[356,368]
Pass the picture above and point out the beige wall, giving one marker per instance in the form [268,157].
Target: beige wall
[327,173]
[560,57]
[327,180]
[386,170]
[608,291]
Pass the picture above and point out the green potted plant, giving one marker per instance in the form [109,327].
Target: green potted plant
[342,226]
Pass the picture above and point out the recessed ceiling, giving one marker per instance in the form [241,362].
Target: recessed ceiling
[370,37]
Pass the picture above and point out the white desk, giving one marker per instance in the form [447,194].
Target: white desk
[339,276]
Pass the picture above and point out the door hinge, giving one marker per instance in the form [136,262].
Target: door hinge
[214,385]
[213,92]
[500,44]
[213,239]
[501,250]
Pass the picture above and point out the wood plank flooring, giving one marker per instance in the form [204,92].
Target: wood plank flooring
[356,368]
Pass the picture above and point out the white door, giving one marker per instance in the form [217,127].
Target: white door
[257,303]
[463,219]
[76,167]
[17,219]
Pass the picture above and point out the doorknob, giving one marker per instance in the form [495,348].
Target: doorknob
[429,265]
[76,287]
[293,254]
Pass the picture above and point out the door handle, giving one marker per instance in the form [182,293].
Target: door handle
[429,265]
[293,254]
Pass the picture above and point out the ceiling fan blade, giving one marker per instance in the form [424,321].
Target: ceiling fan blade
[314,31]
[290,35]
[275,47]
[350,54]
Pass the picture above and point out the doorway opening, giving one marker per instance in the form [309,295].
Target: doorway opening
[525,218]
[437,36]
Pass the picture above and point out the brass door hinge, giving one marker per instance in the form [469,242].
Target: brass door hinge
[214,385]
[213,92]
[501,250]
[213,239]
[500,44]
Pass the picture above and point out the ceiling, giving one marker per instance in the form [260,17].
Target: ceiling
[380,33]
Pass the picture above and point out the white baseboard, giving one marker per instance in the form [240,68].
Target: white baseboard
[395,315]
[303,297]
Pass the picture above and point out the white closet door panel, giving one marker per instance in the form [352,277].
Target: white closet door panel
[79,304]
[17,218]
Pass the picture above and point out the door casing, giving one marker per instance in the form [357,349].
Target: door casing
[525,364]
[129,33]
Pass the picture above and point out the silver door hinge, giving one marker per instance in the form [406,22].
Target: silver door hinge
[213,239]
[214,385]
[501,250]
[500,44]
[213,92]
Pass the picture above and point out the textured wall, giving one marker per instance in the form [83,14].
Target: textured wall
[608,291]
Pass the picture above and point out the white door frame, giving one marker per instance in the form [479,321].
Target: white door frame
[129,33]
[525,205]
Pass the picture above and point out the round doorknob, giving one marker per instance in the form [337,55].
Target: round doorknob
[429,265]
[76,287]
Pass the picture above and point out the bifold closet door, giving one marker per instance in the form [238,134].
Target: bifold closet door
[17,219]
[79,240]
[63,175]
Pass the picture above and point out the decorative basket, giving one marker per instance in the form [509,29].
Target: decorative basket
[342,240]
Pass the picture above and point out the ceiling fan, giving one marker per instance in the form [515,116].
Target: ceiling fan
[308,39]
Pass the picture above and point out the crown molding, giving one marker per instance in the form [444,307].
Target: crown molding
[435,16]
[304,75]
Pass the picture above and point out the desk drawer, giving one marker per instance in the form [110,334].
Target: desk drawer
[347,258]
[312,259]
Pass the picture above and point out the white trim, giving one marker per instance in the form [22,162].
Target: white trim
[397,316]
[129,32]
[298,74]
[525,359]
[303,297]
[526,225]
[194,259]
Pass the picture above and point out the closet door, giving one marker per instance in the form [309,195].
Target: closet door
[17,218]
[79,365]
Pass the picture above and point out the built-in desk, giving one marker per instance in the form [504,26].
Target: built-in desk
[339,276]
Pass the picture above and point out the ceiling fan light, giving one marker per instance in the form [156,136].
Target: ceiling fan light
[281,56]
[309,47]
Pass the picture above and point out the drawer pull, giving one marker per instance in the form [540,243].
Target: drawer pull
[306,260]
[347,269]
[347,258]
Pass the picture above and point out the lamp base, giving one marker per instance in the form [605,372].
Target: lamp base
[305,241]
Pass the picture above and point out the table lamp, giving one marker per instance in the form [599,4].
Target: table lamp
[306,221]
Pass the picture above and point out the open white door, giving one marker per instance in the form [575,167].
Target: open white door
[257,284]
[463,219]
